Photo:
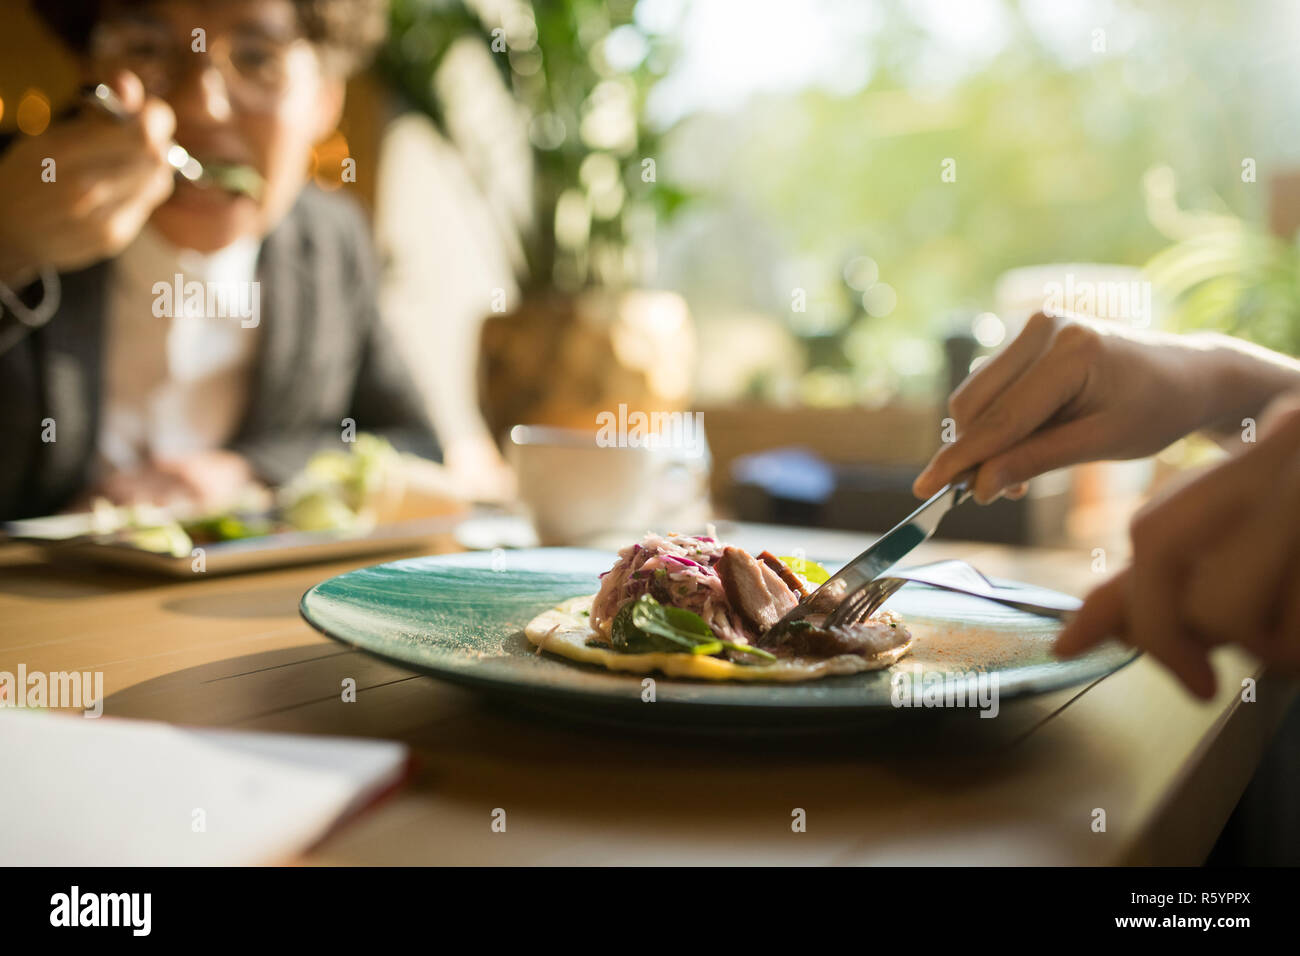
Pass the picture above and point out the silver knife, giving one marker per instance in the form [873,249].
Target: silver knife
[891,548]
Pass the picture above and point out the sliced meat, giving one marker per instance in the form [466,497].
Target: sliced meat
[754,590]
[884,636]
[783,571]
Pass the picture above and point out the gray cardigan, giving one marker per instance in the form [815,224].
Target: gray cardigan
[323,356]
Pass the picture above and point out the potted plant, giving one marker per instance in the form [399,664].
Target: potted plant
[583,336]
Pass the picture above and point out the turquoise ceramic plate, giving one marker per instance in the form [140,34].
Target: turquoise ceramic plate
[460,618]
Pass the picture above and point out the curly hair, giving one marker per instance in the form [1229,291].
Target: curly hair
[346,32]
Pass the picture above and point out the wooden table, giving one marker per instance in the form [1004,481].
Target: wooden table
[232,652]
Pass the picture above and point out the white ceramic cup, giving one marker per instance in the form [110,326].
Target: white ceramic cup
[579,492]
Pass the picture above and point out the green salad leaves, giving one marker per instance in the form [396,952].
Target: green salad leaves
[645,625]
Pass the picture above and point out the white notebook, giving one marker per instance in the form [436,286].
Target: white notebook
[115,792]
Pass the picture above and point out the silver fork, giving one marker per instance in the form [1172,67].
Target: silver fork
[950,576]
[233,177]
[887,551]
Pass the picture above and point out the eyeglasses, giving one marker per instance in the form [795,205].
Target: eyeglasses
[256,68]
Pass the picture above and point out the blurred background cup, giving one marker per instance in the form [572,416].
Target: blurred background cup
[580,492]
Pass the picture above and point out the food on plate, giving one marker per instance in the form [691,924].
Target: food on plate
[342,491]
[345,490]
[691,606]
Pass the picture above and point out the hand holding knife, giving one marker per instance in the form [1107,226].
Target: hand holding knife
[875,563]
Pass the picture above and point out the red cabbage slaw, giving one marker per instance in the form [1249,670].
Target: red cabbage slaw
[674,569]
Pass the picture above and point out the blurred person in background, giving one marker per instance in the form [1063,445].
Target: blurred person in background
[1215,560]
[103,397]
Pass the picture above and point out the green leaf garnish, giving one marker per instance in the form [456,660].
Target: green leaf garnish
[645,625]
[708,647]
[749,649]
[678,626]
